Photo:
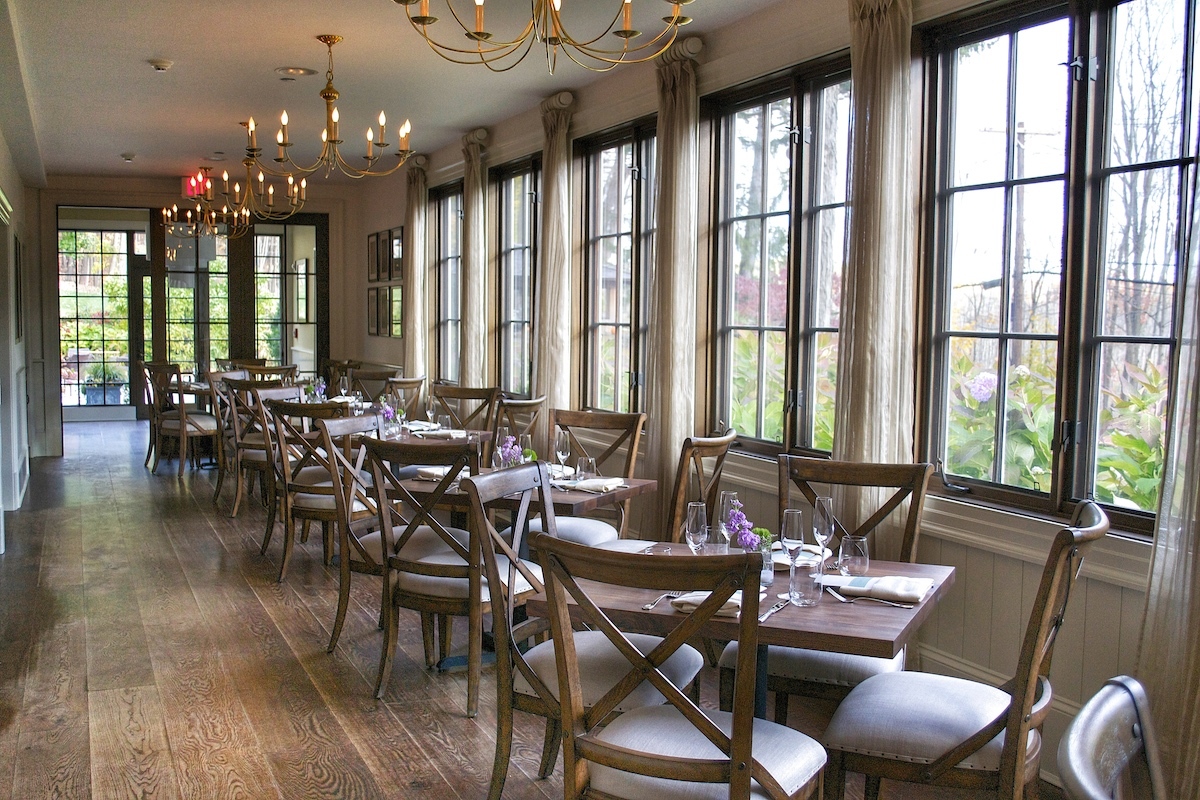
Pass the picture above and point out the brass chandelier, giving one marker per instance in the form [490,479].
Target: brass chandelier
[546,26]
[210,211]
[330,157]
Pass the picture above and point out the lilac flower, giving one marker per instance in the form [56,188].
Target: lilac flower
[982,386]
[741,530]
[509,452]
[388,413]
[319,387]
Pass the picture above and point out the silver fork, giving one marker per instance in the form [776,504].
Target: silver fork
[843,599]
[661,597]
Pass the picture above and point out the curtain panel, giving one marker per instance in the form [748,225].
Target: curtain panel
[874,405]
[473,369]
[416,263]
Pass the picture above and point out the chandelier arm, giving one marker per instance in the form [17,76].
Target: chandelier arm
[566,38]
[626,56]
[487,44]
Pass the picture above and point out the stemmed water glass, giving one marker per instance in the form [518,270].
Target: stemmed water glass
[562,450]
[791,536]
[823,525]
[695,528]
[726,507]
[429,412]
[344,386]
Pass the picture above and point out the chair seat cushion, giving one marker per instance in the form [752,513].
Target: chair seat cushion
[917,716]
[197,424]
[790,756]
[818,666]
[580,530]
[426,547]
[601,665]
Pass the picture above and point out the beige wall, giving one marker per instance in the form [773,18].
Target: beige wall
[14,451]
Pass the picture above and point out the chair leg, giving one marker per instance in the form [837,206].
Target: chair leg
[220,477]
[713,650]
[781,707]
[427,638]
[390,631]
[835,776]
[343,592]
[289,541]
[157,452]
[183,448]
[445,634]
[504,725]
[474,658]
[149,445]
[239,473]
[725,681]
[550,747]
[327,542]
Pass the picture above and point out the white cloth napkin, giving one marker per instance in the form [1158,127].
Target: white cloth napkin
[436,473]
[599,485]
[809,555]
[886,587]
[341,398]
[443,433]
[420,425]
[559,471]
[692,600]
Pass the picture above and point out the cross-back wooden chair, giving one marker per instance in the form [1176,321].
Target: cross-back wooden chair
[285,373]
[620,437]
[251,453]
[919,727]
[407,393]
[469,408]
[698,477]
[264,423]
[175,420]
[223,412]
[360,549]
[1110,749]
[334,368]
[303,473]
[372,383]
[148,401]
[237,363]
[818,673]
[429,568]
[519,416]
[656,751]
[526,676]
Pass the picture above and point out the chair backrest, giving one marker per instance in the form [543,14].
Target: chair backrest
[263,420]
[219,400]
[285,374]
[1029,689]
[342,439]
[531,483]
[372,382]
[698,476]
[334,368]
[248,362]
[520,416]
[907,481]
[619,434]
[469,408]
[564,566]
[407,393]
[300,442]
[1110,751]
[160,377]
[239,394]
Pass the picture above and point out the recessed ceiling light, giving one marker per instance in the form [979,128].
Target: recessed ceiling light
[291,73]
[160,64]
[128,157]
[217,155]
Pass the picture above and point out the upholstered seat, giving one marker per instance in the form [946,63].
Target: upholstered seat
[818,666]
[581,530]
[203,423]
[790,756]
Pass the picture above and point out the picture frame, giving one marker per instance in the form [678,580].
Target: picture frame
[396,247]
[384,311]
[383,245]
[373,257]
[396,314]
[372,312]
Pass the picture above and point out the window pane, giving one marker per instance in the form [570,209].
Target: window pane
[746,264]
[830,235]
[1036,274]
[971,402]
[774,357]
[779,157]
[835,141]
[744,384]
[1041,106]
[976,259]
[1133,408]
[824,390]
[1029,414]
[1140,254]
[1147,76]
[746,159]
[980,112]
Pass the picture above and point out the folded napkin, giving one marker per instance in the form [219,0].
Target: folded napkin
[341,398]
[692,600]
[443,433]
[558,471]
[436,473]
[599,485]
[421,425]
[809,555]
[887,587]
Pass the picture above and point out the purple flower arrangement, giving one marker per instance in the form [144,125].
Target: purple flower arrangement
[319,389]
[388,413]
[509,452]
[741,530]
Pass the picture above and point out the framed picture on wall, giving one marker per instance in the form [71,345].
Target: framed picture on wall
[397,312]
[385,308]
[372,312]
[396,235]
[384,245]
[373,257]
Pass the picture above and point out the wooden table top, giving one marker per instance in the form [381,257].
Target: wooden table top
[567,502]
[862,628]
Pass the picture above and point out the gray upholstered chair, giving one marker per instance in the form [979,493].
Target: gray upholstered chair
[1109,750]
[935,729]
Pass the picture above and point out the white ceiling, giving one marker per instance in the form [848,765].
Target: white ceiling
[92,95]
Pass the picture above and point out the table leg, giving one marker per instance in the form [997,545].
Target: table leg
[760,683]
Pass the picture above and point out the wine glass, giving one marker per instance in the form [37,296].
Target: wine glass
[343,386]
[429,412]
[791,536]
[726,507]
[526,444]
[823,524]
[695,526]
[562,449]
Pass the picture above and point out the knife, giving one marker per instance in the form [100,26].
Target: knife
[763,617]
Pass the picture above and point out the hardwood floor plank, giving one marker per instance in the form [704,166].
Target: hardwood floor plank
[130,756]
[56,672]
[53,763]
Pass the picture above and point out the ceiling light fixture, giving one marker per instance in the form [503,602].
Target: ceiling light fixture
[546,26]
[231,214]
[330,157]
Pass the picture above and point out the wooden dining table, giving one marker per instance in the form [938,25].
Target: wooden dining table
[864,627]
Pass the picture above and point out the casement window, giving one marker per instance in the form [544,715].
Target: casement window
[447,204]
[519,187]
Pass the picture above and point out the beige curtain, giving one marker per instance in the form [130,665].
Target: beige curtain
[874,405]
[1169,655]
[671,371]
[473,370]
[551,344]
[416,264]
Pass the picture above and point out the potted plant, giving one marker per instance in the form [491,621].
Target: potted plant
[104,383]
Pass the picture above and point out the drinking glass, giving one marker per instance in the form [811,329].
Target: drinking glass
[695,526]
[343,386]
[526,443]
[823,524]
[725,507]
[791,536]
[356,404]
[429,412]
[444,422]
[497,443]
[562,449]
[853,556]
[585,468]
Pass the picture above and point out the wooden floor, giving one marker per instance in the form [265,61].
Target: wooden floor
[146,651]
